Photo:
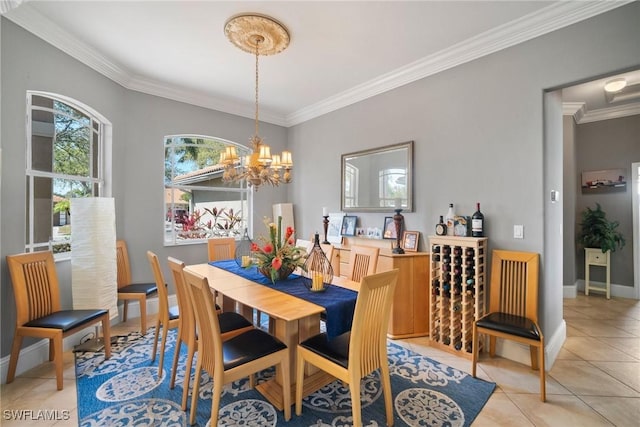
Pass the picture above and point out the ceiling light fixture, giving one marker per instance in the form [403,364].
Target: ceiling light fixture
[615,85]
[259,35]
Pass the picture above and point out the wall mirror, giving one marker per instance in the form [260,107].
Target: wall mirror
[378,180]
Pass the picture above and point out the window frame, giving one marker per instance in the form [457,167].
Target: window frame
[246,192]
[102,179]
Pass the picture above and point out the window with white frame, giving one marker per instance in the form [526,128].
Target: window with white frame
[198,205]
[66,152]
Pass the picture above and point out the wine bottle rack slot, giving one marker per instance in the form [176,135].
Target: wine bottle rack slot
[457,297]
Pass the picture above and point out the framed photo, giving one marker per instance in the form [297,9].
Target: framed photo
[604,181]
[410,241]
[389,228]
[335,227]
[349,225]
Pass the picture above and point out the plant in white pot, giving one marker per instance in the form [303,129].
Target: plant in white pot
[596,231]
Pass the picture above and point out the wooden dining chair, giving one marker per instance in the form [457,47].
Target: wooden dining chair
[221,248]
[231,324]
[238,357]
[513,308]
[38,311]
[363,261]
[355,354]
[168,316]
[132,291]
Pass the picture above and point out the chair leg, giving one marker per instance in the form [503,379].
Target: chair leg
[106,335]
[174,364]
[218,385]
[155,341]
[533,351]
[356,408]
[196,390]
[187,375]
[492,346]
[163,344]
[474,350]
[59,360]
[125,309]
[543,388]
[385,378]
[143,315]
[299,382]
[13,360]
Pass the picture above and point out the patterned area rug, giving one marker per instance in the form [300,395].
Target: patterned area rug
[126,390]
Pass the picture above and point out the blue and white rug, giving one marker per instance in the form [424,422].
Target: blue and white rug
[126,391]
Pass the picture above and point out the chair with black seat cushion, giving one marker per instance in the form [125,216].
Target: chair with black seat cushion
[38,311]
[132,291]
[355,354]
[168,316]
[231,324]
[238,357]
[513,308]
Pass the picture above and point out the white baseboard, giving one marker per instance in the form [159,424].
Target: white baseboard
[619,291]
[38,353]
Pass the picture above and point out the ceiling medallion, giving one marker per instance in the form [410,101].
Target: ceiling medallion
[247,31]
[258,35]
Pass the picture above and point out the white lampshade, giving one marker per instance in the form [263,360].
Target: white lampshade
[94,270]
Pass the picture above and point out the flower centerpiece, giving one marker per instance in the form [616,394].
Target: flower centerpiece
[277,256]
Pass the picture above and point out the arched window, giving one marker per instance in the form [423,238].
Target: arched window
[68,155]
[198,205]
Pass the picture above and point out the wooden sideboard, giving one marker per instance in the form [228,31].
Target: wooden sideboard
[410,308]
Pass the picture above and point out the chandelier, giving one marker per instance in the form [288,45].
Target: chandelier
[259,35]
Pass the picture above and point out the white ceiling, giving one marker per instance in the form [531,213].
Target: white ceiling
[340,52]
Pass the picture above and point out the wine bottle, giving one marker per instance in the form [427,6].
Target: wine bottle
[450,220]
[441,227]
[477,223]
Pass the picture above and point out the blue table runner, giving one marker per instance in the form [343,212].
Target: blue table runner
[338,302]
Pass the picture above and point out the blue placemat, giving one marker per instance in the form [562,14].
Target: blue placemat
[338,302]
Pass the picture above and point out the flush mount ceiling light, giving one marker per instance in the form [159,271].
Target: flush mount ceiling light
[615,85]
[258,35]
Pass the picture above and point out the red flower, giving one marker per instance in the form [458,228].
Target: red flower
[290,241]
[254,247]
[268,248]
[276,263]
[289,232]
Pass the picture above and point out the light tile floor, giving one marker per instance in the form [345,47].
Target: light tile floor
[594,382]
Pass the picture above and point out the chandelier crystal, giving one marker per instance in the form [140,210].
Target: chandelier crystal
[259,35]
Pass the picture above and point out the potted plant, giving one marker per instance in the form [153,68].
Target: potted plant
[596,231]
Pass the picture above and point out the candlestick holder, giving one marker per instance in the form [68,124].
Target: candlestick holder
[325,224]
[398,220]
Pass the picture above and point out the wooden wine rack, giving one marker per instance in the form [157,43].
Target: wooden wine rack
[457,294]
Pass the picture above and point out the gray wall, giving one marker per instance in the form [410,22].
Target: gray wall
[479,136]
[139,124]
[608,144]
[478,131]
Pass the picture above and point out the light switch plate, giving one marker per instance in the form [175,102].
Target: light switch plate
[518,231]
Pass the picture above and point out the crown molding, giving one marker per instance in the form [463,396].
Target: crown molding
[543,21]
[610,113]
[575,109]
[550,18]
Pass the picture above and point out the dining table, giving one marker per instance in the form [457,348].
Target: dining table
[293,317]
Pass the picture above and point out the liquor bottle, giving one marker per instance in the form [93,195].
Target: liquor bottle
[441,227]
[477,223]
[450,220]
